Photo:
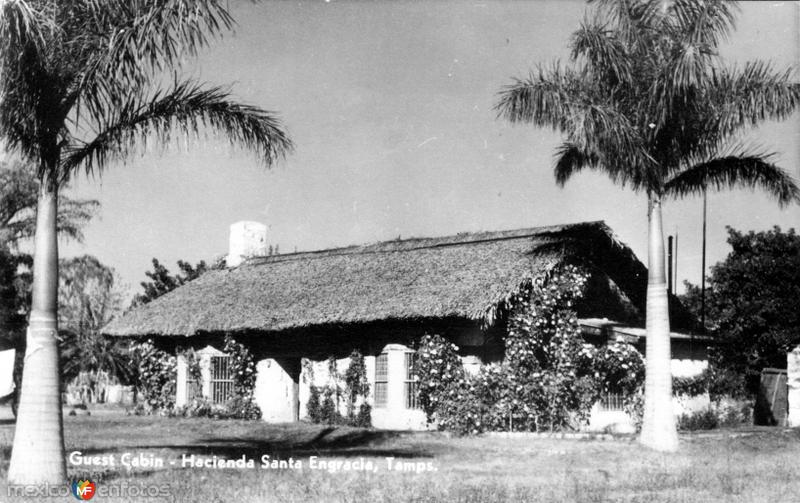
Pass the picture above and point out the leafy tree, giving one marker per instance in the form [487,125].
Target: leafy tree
[88,298]
[163,282]
[751,301]
[648,102]
[12,318]
[83,84]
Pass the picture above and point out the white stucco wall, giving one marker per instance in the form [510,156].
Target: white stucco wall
[687,367]
[316,373]
[793,383]
[180,383]
[395,415]
[273,392]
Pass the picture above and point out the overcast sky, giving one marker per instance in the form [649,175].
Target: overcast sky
[390,107]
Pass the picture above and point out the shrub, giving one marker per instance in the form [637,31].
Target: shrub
[440,373]
[734,412]
[364,417]
[243,368]
[314,407]
[690,386]
[239,407]
[197,407]
[329,412]
[357,388]
[718,382]
[549,378]
[156,375]
[705,419]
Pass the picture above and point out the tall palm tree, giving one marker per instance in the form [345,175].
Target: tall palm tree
[84,83]
[648,102]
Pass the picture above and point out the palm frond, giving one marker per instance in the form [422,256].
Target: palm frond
[19,188]
[736,171]
[141,38]
[73,215]
[572,102]
[22,27]
[571,159]
[606,55]
[704,23]
[744,97]
[25,30]
[542,99]
[620,13]
[189,109]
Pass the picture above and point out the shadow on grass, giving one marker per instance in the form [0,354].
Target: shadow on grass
[329,441]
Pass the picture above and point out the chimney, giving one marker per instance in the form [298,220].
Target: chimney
[248,239]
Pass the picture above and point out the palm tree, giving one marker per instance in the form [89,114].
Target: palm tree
[648,102]
[84,83]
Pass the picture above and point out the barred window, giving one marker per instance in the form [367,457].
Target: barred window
[381,380]
[221,379]
[411,383]
[611,402]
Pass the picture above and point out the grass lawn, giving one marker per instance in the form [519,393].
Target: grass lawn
[728,466]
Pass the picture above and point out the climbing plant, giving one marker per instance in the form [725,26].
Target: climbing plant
[549,378]
[323,403]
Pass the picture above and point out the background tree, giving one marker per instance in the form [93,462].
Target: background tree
[751,302]
[648,102]
[83,84]
[163,282]
[18,193]
[88,298]
[19,190]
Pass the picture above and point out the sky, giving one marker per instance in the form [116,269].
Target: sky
[390,106]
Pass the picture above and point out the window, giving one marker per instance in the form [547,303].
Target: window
[381,379]
[221,379]
[611,402]
[411,383]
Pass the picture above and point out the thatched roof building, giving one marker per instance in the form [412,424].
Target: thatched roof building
[455,280]
[379,299]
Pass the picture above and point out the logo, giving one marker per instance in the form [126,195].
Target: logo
[83,489]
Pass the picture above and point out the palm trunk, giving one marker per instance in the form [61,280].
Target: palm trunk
[658,425]
[38,453]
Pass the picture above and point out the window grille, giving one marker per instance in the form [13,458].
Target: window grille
[381,380]
[611,402]
[411,382]
[221,379]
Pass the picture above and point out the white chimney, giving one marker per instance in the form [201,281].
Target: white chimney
[248,239]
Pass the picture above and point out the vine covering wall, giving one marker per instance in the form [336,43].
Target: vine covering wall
[350,387]
[549,378]
[157,383]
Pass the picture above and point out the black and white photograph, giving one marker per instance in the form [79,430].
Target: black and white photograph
[403,251]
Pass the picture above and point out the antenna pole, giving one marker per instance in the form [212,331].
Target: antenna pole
[703,275]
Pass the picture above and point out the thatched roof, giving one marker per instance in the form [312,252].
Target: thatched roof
[467,276]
